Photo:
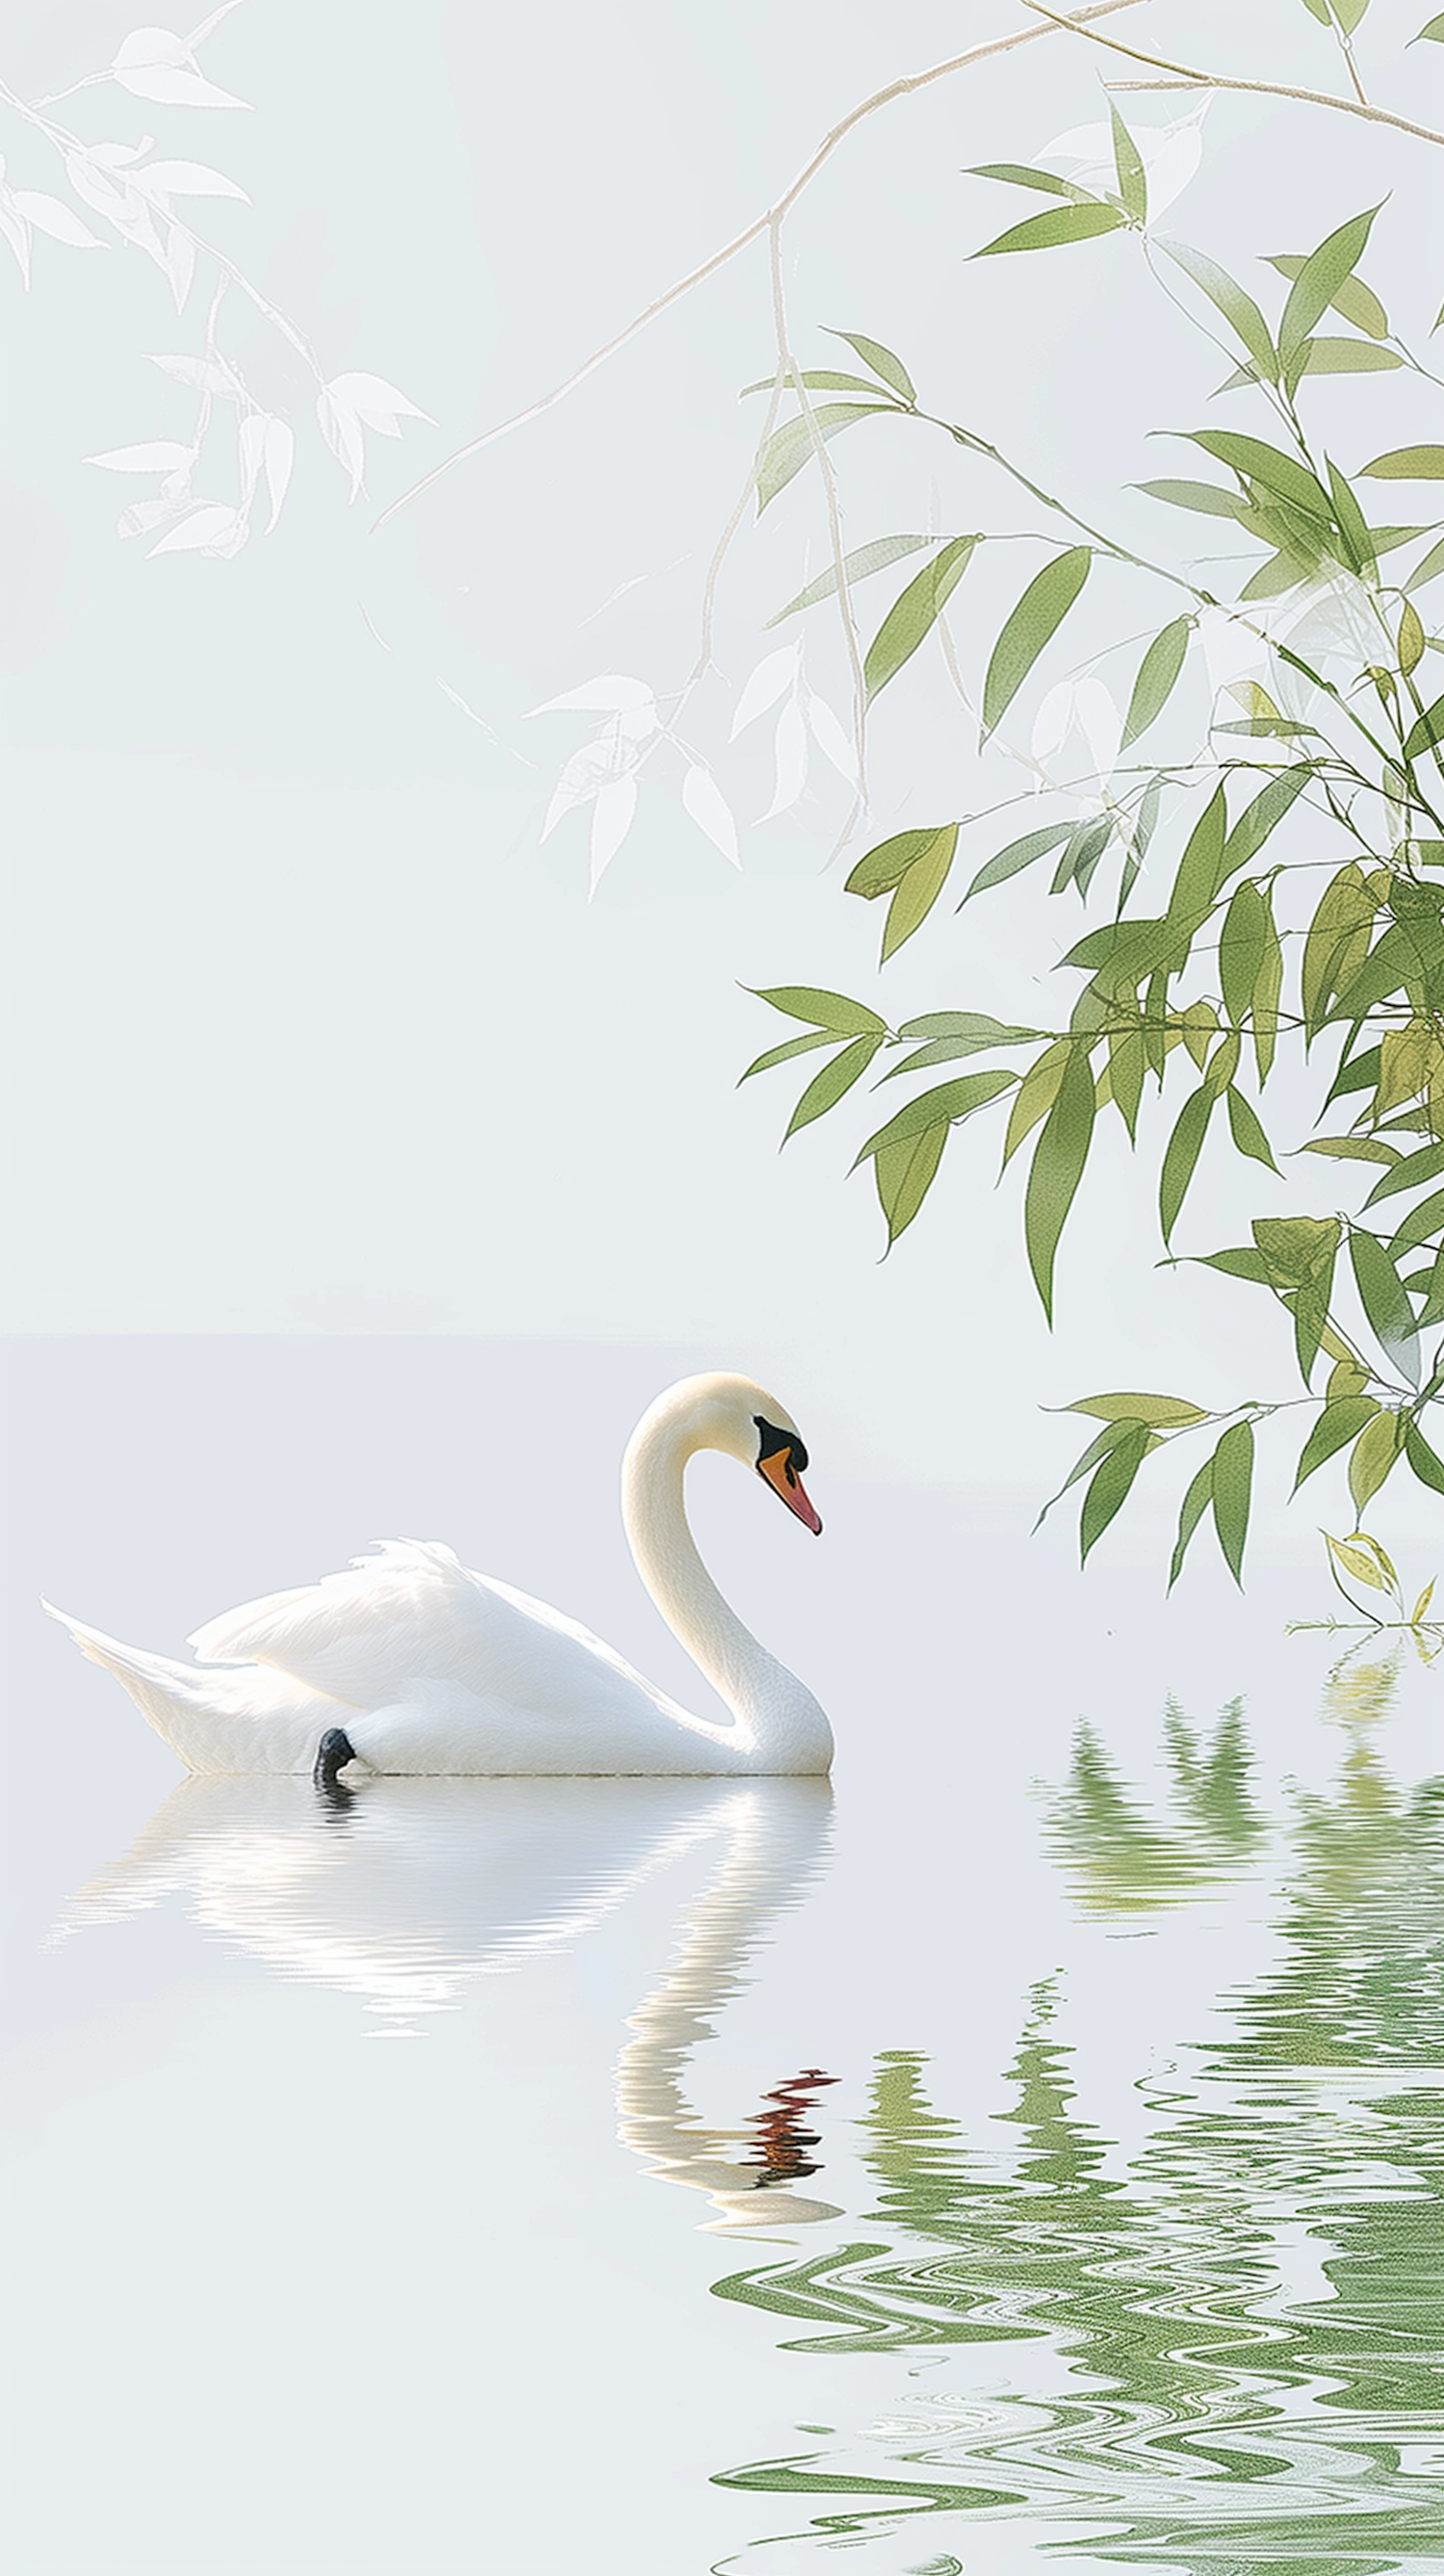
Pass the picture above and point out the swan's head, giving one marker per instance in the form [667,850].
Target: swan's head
[741,1419]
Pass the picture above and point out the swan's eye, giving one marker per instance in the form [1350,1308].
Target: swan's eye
[782,1445]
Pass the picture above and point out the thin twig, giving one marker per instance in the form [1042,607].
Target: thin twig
[773,214]
[1184,78]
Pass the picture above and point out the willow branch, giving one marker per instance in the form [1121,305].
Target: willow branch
[1189,79]
[904,87]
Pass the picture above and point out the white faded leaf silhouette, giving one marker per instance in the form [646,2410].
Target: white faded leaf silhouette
[829,737]
[776,673]
[185,179]
[375,402]
[341,431]
[143,516]
[710,810]
[154,456]
[265,445]
[51,215]
[155,63]
[17,234]
[179,258]
[203,375]
[599,764]
[205,529]
[791,755]
[611,822]
[611,692]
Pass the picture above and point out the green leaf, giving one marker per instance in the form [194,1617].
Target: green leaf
[975,1026]
[1336,1426]
[1111,1483]
[857,566]
[1347,358]
[1337,943]
[1279,573]
[1238,308]
[1356,1073]
[1359,1560]
[1128,162]
[1023,174]
[1232,1490]
[1238,1261]
[1049,232]
[1409,1171]
[881,869]
[1428,1469]
[827,1087]
[1353,1149]
[1434,31]
[949,1102]
[1209,499]
[1181,1157]
[1198,869]
[882,362]
[1057,1168]
[1422,1222]
[1385,1302]
[1428,568]
[825,1010]
[1318,9]
[1085,847]
[1348,13]
[1157,673]
[1253,460]
[1248,1135]
[1241,946]
[1319,280]
[1160,1412]
[819,380]
[1260,817]
[1408,465]
[1411,639]
[950,1043]
[1033,623]
[783,1054]
[1017,856]
[1296,1248]
[904,1174]
[919,891]
[790,447]
[1374,1455]
[1107,1440]
[1351,523]
[1355,302]
[1195,1503]
[1036,1094]
[1429,730]
[914,613]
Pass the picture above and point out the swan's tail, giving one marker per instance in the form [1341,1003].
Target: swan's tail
[248,1719]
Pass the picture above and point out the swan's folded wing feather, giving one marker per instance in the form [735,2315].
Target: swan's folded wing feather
[411,1613]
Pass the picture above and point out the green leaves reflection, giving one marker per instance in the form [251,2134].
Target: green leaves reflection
[1249,2311]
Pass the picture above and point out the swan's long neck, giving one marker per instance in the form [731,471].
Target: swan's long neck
[777,1724]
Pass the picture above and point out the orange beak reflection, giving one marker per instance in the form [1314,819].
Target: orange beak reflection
[782,1476]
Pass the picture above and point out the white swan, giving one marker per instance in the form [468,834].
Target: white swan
[412,1664]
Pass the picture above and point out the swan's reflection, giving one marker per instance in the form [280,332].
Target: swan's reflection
[407,1891]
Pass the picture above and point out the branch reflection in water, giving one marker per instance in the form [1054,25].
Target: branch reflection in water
[405,1891]
[1225,2350]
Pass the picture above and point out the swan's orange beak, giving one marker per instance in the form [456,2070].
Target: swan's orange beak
[783,1477]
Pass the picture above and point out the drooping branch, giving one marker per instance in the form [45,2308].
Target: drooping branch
[772,216]
[1186,78]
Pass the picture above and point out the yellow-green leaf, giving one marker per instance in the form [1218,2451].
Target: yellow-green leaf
[1373,1457]
[1162,1412]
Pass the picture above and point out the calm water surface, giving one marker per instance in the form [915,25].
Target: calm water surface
[1053,2164]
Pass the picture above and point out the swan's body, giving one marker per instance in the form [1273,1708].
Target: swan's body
[424,1667]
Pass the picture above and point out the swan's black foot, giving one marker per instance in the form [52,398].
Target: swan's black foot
[333,1752]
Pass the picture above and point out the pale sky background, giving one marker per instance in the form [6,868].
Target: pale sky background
[309,1032]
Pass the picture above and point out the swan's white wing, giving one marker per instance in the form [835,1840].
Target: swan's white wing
[411,1613]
